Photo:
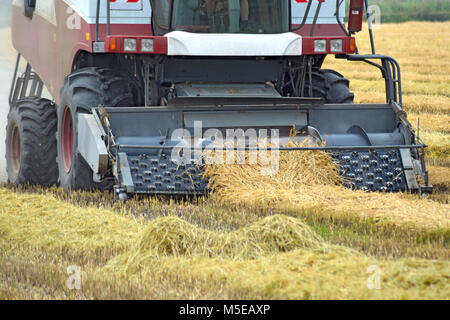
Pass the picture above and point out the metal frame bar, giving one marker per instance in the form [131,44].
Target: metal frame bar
[305,17]
[390,70]
[97,19]
[369,23]
[337,148]
[338,7]
[26,80]
[263,102]
[12,97]
[316,16]
[108,18]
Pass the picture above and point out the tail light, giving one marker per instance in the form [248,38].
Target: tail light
[355,17]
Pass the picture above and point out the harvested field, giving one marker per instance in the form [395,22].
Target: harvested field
[276,257]
[295,235]
[310,179]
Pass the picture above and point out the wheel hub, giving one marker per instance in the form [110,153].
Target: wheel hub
[67,139]
[14,149]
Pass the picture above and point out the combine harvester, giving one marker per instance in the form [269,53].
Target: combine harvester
[134,80]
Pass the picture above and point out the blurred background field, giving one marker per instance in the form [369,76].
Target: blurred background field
[417,10]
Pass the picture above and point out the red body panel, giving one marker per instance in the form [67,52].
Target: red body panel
[160,44]
[52,49]
[321,30]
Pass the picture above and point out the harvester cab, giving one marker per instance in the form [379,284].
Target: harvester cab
[142,88]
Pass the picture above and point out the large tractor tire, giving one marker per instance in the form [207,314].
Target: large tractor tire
[85,89]
[31,143]
[329,85]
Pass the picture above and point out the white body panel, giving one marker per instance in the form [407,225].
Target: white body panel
[190,44]
[135,13]
[126,5]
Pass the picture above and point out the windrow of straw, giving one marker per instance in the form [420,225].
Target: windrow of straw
[39,221]
[310,179]
[336,273]
[277,257]
[171,236]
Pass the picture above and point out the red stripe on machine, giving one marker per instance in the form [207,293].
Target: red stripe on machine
[115,44]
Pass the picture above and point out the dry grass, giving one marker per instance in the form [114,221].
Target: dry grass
[311,179]
[336,273]
[439,176]
[380,238]
[40,222]
[438,150]
[439,123]
[173,236]
[276,257]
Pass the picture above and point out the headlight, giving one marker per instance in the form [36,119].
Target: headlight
[320,45]
[336,45]
[147,45]
[130,45]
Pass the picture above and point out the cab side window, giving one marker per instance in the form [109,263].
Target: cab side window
[160,13]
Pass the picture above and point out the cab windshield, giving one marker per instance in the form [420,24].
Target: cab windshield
[222,16]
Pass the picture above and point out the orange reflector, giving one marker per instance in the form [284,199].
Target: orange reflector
[112,44]
[352,45]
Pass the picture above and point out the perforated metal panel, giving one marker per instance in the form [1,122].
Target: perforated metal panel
[159,175]
[364,170]
[373,170]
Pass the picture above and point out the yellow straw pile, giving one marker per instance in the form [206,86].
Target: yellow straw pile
[310,179]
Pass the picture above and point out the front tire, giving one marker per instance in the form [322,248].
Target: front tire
[31,143]
[85,89]
[329,85]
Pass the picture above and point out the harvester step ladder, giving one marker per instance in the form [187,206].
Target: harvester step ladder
[21,88]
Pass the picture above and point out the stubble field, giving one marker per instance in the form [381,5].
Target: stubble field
[296,236]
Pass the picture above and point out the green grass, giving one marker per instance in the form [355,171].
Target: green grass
[394,11]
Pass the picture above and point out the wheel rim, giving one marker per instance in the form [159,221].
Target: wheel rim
[14,148]
[67,139]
